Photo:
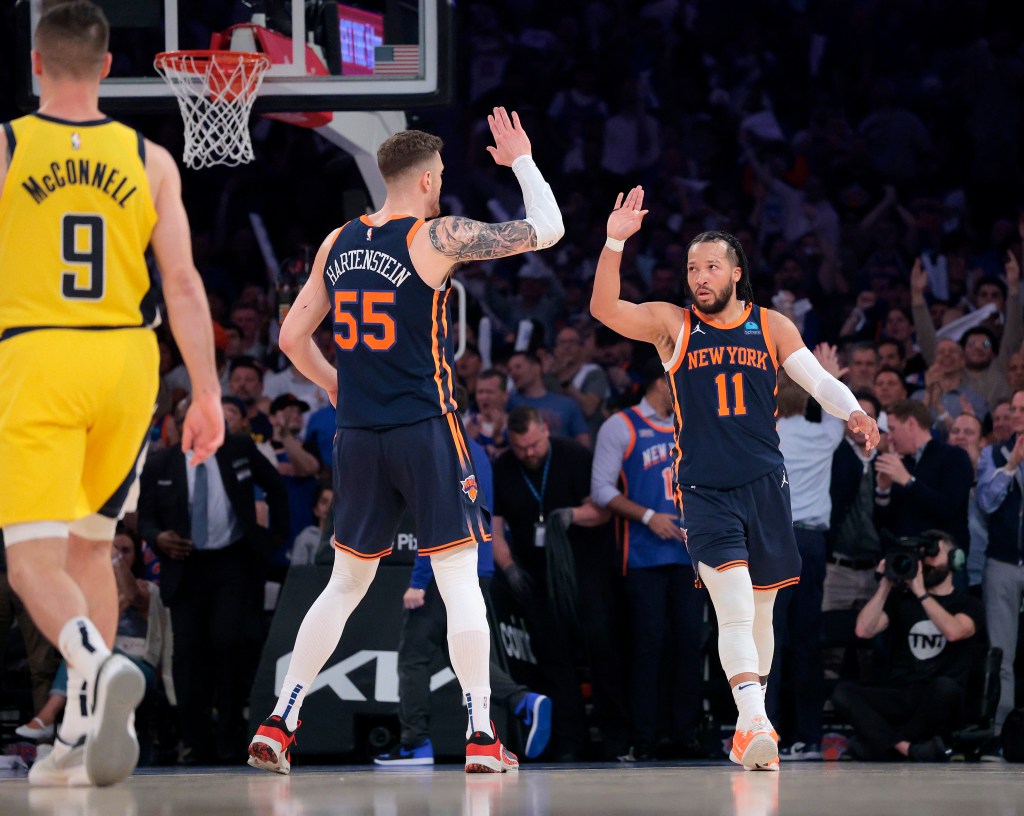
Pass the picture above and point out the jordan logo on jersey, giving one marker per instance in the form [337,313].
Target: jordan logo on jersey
[785,479]
[469,487]
[697,330]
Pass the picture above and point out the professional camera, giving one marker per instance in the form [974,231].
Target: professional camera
[902,555]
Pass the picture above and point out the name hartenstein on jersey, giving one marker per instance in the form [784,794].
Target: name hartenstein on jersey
[380,262]
[81,172]
[737,355]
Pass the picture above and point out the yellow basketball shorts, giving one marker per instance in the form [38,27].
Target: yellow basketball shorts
[75,412]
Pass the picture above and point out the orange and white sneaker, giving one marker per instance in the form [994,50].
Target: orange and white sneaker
[757,748]
[486,754]
[271,748]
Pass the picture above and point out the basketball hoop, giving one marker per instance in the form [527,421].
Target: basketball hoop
[215,91]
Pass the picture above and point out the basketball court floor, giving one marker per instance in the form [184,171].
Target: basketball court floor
[814,789]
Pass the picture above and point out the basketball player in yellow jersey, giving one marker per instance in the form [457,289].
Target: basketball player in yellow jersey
[81,197]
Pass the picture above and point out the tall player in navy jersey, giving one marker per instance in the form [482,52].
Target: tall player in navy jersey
[721,357]
[385,278]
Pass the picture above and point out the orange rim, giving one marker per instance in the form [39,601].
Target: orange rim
[197,61]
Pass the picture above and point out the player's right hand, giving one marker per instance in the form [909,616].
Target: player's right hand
[414,598]
[203,430]
[628,214]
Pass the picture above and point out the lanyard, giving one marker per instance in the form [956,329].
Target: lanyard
[543,485]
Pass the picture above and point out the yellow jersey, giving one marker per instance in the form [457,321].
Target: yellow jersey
[76,215]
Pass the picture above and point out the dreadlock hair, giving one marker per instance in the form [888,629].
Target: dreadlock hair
[737,257]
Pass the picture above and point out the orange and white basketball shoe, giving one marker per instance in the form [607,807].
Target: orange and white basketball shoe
[757,748]
[271,748]
[486,754]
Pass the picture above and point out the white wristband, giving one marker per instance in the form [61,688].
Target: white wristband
[650,513]
[614,244]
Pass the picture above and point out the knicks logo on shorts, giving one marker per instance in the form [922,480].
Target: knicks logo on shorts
[469,487]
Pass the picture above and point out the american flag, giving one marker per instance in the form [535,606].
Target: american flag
[396,60]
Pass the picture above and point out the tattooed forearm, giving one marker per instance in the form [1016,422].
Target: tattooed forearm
[467,240]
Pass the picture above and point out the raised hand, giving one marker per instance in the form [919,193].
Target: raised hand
[510,140]
[829,359]
[1012,269]
[918,280]
[628,214]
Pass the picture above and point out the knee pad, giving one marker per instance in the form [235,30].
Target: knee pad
[351,574]
[733,598]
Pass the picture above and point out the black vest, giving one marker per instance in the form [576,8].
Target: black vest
[1005,524]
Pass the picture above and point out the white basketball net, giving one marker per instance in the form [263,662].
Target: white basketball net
[215,91]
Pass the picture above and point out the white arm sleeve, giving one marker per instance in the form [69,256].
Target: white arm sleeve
[541,208]
[831,394]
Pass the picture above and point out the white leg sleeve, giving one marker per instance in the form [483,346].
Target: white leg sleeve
[764,634]
[324,622]
[733,597]
[469,636]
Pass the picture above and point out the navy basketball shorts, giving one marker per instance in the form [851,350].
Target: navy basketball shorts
[425,467]
[748,526]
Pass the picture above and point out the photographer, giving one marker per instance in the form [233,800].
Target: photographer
[931,627]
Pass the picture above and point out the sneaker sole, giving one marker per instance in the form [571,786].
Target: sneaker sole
[388,763]
[486,764]
[264,757]
[762,754]
[42,775]
[540,731]
[112,749]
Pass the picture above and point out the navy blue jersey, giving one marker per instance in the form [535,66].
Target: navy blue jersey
[724,382]
[391,330]
[646,478]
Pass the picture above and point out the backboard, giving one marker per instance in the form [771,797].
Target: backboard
[358,55]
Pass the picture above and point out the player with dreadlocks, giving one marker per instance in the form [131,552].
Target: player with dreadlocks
[721,357]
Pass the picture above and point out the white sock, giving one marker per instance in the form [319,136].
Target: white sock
[469,637]
[750,702]
[764,689]
[76,711]
[321,629]
[82,646]
[478,702]
[293,692]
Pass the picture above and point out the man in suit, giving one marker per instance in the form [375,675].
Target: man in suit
[921,484]
[213,555]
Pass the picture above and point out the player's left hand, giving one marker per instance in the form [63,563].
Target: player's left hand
[510,140]
[860,422]
[203,429]
[628,214]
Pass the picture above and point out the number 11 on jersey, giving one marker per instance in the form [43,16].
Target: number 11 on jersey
[739,407]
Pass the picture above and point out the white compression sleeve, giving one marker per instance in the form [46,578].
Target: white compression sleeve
[831,394]
[541,208]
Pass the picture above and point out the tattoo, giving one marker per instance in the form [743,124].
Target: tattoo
[467,240]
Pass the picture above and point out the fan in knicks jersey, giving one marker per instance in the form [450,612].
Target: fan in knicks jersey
[400,442]
[721,357]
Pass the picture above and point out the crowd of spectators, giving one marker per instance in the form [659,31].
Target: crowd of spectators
[869,157]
